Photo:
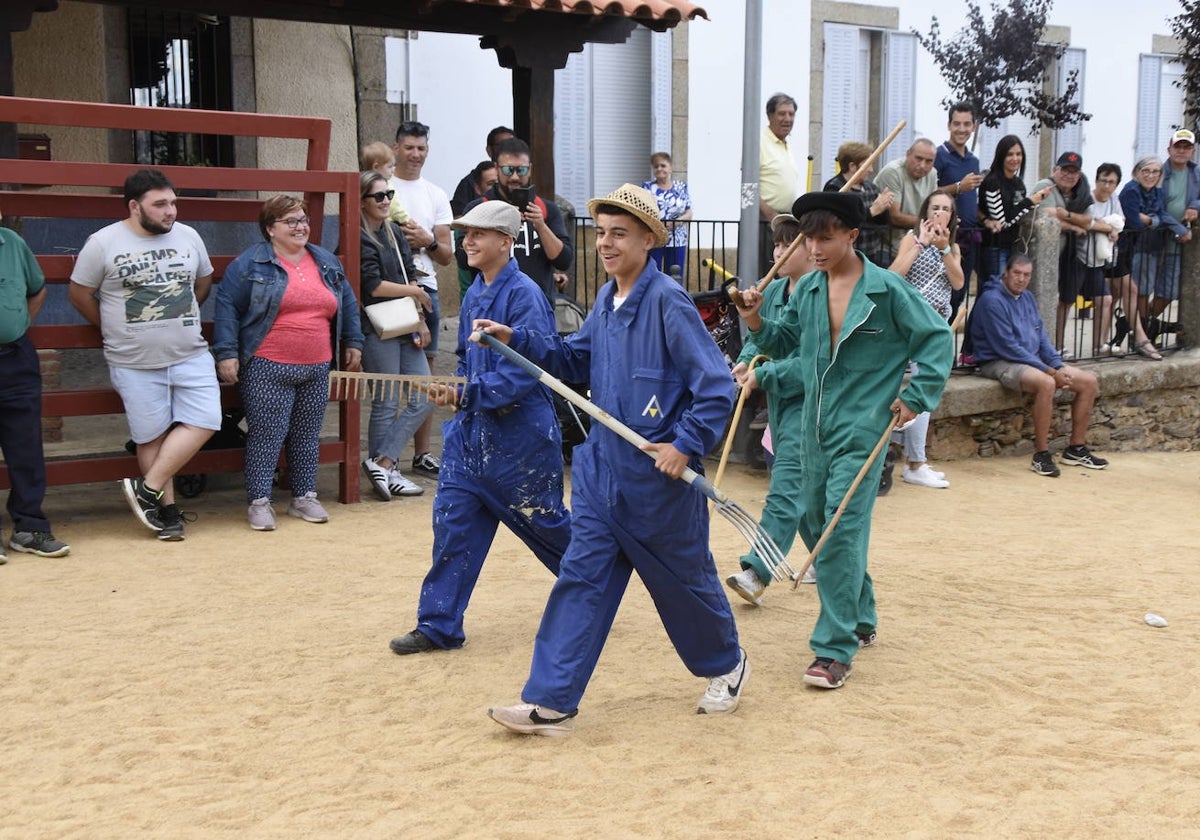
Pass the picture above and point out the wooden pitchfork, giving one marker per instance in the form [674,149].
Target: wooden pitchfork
[746,525]
[735,294]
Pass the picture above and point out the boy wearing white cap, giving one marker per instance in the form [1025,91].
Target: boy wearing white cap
[651,364]
[502,449]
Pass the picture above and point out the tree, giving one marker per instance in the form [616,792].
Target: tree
[1186,28]
[1000,65]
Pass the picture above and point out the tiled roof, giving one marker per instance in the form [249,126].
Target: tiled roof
[670,11]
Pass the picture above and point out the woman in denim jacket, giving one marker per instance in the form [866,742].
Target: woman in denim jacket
[284,308]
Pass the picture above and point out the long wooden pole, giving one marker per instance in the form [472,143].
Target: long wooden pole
[851,183]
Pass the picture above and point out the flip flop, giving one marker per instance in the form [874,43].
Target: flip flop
[1146,348]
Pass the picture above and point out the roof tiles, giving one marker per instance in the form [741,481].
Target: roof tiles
[671,11]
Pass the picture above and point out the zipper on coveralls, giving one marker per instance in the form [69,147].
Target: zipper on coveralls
[833,360]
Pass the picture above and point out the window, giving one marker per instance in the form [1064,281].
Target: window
[180,60]
[870,85]
[1160,103]
[612,109]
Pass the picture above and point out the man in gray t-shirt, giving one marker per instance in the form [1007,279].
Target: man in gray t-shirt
[141,281]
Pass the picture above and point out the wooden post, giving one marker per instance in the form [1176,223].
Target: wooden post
[533,121]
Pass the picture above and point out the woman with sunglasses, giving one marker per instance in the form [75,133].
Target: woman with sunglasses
[284,313]
[387,271]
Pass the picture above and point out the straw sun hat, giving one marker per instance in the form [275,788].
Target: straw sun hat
[640,204]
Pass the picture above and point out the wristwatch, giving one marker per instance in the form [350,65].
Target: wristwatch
[432,246]
[946,250]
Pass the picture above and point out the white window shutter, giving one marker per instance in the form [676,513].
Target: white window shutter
[621,85]
[900,92]
[1170,105]
[839,122]
[1070,138]
[660,75]
[1149,89]
[573,131]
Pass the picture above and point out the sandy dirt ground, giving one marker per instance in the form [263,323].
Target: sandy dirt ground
[239,684]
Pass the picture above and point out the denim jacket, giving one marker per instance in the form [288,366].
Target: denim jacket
[249,295]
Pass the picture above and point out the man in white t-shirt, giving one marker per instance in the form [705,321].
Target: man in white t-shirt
[426,225]
[141,281]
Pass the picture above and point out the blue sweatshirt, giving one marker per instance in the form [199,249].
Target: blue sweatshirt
[1010,329]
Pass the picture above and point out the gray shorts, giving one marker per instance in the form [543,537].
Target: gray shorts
[185,392]
[1007,374]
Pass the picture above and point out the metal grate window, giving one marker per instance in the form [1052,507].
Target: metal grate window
[180,60]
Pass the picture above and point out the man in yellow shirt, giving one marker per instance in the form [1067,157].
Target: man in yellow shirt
[778,178]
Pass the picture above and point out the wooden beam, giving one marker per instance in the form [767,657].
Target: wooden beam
[533,120]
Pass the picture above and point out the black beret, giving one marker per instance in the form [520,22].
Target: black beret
[846,206]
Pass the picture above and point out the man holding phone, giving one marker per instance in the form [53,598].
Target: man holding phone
[542,245]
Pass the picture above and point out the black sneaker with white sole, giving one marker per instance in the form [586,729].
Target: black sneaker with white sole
[426,464]
[172,519]
[1043,464]
[1083,457]
[144,502]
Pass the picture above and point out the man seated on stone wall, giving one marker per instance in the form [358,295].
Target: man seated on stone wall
[1012,347]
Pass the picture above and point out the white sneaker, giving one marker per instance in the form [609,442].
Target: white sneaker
[398,485]
[379,479]
[529,719]
[747,584]
[924,476]
[810,574]
[725,692]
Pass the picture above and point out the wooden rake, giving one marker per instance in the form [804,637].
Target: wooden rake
[350,385]
[735,294]
[745,524]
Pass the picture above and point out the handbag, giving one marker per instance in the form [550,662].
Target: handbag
[394,317]
[398,316]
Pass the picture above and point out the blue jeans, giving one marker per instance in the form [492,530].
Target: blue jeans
[995,261]
[21,434]
[391,428]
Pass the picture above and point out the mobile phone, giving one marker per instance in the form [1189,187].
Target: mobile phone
[520,197]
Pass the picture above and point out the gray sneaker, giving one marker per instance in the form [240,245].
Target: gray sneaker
[261,515]
[528,719]
[307,507]
[747,584]
[41,543]
[3,556]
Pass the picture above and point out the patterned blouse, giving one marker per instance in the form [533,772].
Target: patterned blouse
[673,202]
[928,275]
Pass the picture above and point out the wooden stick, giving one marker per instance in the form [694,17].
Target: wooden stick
[812,555]
[345,384]
[851,183]
[737,415]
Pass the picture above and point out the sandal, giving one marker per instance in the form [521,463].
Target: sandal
[1146,348]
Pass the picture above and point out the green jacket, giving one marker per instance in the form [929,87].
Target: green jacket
[851,386]
[787,385]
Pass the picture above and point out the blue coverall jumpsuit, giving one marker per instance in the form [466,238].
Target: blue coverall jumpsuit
[501,460]
[653,366]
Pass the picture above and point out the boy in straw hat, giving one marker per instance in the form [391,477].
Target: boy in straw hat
[856,325]
[502,455]
[651,364]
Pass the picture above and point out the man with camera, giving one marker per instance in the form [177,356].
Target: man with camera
[542,245]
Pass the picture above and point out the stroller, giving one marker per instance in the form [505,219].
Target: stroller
[720,317]
[568,318]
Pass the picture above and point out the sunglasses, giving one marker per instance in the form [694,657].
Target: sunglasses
[514,170]
[293,223]
[381,196]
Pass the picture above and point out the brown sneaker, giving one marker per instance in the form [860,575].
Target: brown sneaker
[827,673]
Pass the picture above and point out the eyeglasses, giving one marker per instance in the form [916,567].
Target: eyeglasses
[1151,171]
[412,128]
[514,170]
[381,196]
[294,222]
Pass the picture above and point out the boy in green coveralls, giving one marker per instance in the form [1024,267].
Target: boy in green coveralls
[856,326]
[781,511]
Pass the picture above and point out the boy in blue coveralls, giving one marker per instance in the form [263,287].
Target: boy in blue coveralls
[502,455]
[858,325]
[652,365]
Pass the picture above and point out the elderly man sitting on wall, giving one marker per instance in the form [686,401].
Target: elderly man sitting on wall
[1011,346]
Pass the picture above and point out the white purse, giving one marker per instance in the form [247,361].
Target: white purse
[398,316]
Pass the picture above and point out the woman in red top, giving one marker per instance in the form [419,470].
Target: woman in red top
[283,308]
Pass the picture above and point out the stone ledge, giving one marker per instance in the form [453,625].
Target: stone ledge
[1142,405]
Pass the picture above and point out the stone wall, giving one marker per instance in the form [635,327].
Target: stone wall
[1143,405]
